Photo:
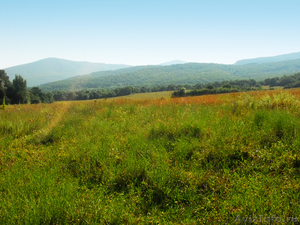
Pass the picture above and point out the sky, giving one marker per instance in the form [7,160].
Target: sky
[144,32]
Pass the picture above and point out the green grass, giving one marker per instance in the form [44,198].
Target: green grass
[148,162]
[267,87]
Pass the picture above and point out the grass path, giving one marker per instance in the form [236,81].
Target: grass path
[52,117]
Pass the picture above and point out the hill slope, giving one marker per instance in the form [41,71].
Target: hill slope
[174,62]
[278,58]
[189,73]
[53,69]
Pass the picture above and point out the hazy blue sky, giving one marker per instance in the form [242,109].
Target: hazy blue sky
[147,31]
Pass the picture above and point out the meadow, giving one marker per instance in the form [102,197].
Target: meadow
[211,159]
[145,96]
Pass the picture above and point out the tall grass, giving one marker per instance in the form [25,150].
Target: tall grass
[196,160]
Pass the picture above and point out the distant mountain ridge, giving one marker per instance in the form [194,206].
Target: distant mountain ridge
[54,69]
[174,62]
[271,59]
[66,74]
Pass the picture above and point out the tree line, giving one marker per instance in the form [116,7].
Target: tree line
[13,92]
[292,81]
[16,92]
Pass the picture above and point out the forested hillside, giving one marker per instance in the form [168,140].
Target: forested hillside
[189,73]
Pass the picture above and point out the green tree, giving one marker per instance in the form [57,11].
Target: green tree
[5,78]
[2,89]
[182,92]
[21,94]
[5,87]
[125,91]
[227,85]
[71,96]
[210,87]
[285,80]
[48,97]
[59,96]
[35,95]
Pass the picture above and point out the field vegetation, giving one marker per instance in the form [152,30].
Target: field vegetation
[192,160]
[148,95]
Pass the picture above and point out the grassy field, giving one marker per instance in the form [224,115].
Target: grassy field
[149,95]
[212,159]
[275,87]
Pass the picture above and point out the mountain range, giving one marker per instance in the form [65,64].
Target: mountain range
[54,69]
[60,74]
[174,62]
[271,59]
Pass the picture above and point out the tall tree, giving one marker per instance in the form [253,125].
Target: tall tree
[5,86]
[21,94]
[2,88]
[4,77]
[2,91]
[35,95]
